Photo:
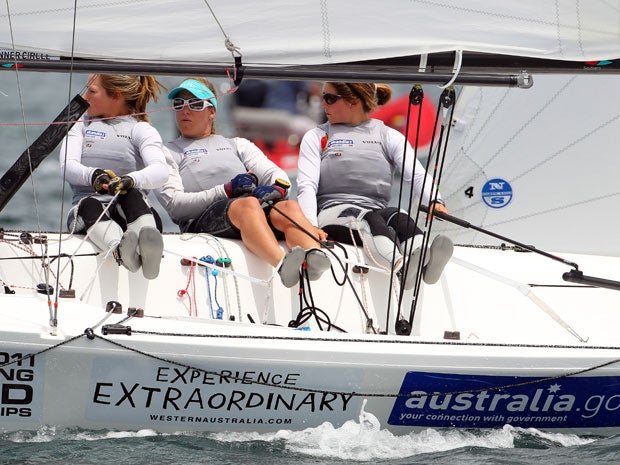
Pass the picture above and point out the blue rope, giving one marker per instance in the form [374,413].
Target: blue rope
[219,313]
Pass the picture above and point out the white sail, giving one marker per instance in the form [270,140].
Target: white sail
[309,32]
[552,153]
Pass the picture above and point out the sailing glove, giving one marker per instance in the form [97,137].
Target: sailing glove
[240,185]
[100,180]
[120,184]
[269,193]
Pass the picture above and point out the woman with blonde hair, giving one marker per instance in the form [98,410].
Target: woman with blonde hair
[346,169]
[110,160]
[229,188]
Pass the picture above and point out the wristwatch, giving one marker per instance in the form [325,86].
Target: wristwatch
[284,184]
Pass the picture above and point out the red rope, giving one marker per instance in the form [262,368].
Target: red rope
[190,293]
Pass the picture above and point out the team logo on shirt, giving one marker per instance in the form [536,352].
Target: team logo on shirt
[194,152]
[95,134]
[340,143]
[195,155]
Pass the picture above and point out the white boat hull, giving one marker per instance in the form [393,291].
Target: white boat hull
[171,371]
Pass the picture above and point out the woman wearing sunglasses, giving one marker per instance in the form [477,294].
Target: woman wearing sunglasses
[228,187]
[346,168]
[111,159]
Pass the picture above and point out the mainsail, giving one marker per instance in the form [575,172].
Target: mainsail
[308,32]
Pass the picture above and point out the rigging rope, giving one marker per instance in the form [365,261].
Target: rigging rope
[345,267]
[447,100]
[52,312]
[416,97]
[458,61]
[62,181]
[228,43]
[190,293]
[234,50]
[89,333]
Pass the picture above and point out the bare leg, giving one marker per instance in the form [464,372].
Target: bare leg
[293,234]
[317,261]
[247,215]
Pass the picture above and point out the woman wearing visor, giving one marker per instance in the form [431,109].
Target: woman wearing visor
[227,187]
[346,169]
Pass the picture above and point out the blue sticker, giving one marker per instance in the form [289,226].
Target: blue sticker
[337,143]
[497,193]
[95,134]
[474,401]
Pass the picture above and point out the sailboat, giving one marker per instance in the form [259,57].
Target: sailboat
[521,329]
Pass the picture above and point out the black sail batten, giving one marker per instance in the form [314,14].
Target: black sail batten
[32,157]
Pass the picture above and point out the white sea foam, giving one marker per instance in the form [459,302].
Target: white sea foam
[562,439]
[143,433]
[51,433]
[364,440]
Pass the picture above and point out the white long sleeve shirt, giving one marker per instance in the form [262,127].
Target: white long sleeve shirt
[354,164]
[199,168]
[123,145]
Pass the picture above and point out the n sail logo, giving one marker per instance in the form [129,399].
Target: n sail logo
[491,401]
[497,193]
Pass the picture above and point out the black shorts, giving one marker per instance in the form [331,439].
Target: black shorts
[214,220]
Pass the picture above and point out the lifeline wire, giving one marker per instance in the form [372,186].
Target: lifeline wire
[52,312]
[91,335]
[64,174]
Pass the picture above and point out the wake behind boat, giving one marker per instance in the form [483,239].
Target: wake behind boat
[215,343]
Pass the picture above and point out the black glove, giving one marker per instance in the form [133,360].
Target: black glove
[120,184]
[100,180]
[269,193]
[240,185]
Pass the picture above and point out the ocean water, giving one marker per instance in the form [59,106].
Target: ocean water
[353,443]
[26,101]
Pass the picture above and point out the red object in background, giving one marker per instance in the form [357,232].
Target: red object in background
[394,114]
[281,153]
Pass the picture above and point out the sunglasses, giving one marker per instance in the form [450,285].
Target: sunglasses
[194,104]
[330,99]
